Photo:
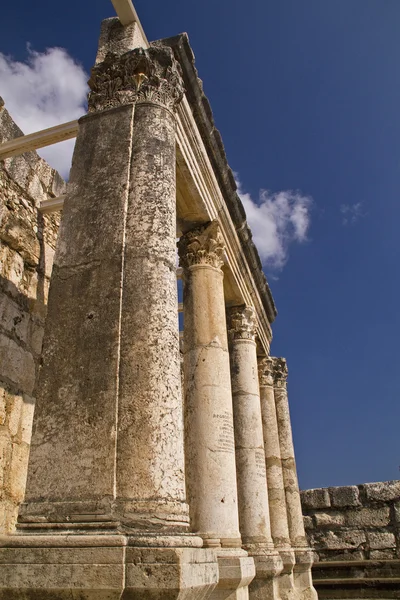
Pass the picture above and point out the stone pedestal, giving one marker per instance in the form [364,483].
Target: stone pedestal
[303,555]
[254,518]
[209,436]
[105,512]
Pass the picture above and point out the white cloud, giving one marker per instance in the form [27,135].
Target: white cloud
[352,213]
[48,89]
[276,221]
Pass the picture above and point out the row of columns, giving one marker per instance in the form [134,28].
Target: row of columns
[240,468]
[119,460]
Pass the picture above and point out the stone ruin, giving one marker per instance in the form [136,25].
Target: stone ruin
[156,468]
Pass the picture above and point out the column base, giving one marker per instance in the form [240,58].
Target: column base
[265,585]
[286,584]
[236,571]
[302,574]
[102,567]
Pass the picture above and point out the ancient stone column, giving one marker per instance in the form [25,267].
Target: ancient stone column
[209,435]
[303,554]
[276,487]
[107,448]
[254,518]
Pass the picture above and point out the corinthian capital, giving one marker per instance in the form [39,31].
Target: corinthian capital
[266,371]
[242,323]
[280,372]
[140,75]
[202,246]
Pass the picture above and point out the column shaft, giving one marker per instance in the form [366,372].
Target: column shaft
[292,493]
[209,439]
[150,464]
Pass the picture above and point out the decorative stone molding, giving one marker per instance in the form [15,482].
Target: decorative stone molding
[242,323]
[202,246]
[140,75]
[266,371]
[280,372]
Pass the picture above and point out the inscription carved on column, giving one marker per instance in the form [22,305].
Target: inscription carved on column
[140,75]
[266,371]
[202,246]
[280,372]
[242,323]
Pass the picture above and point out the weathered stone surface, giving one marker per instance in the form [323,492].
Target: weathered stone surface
[344,496]
[209,432]
[339,540]
[379,541]
[27,241]
[382,491]
[308,522]
[315,498]
[331,519]
[368,517]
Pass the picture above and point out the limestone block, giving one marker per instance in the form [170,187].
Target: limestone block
[396,509]
[14,408]
[36,332]
[382,491]
[5,459]
[383,554]
[16,364]
[13,319]
[344,496]
[368,517]
[28,408]
[308,522]
[2,405]
[315,498]
[339,540]
[347,555]
[11,266]
[329,519]
[18,471]
[378,541]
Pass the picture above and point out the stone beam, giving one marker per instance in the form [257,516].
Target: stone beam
[127,15]
[39,139]
[52,205]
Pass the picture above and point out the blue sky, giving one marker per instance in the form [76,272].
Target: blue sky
[306,96]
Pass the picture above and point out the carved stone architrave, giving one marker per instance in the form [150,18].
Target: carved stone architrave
[266,371]
[242,323]
[140,75]
[280,372]
[202,246]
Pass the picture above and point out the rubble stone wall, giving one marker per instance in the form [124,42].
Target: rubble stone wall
[27,243]
[353,523]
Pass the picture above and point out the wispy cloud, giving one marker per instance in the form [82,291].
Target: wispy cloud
[276,220]
[48,89]
[351,213]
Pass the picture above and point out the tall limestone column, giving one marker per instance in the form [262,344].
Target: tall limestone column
[254,518]
[276,487]
[105,503]
[209,435]
[303,554]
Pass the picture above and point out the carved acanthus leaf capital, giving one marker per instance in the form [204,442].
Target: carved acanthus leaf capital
[280,372]
[242,323]
[266,371]
[140,75]
[202,246]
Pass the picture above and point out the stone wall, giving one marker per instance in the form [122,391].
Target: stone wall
[354,532]
[356,522]
[27,243]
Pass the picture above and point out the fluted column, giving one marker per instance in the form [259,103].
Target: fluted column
[107,453]
[276,488]
[254,517]
[209,435]
[303,554]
